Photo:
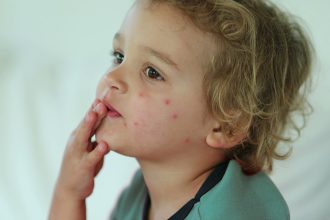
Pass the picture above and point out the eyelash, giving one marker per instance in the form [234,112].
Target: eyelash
[149,71]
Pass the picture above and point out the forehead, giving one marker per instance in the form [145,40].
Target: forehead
[166,29]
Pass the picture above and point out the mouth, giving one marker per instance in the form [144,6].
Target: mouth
[112,112]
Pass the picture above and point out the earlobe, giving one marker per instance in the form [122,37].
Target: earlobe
[217,139]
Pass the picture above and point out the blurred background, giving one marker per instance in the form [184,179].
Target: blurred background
[52,54]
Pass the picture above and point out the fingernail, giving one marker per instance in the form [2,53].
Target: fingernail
[97,108]
[88,117]
[97,101]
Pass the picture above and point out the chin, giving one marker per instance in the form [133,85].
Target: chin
[121,150]
[111,143]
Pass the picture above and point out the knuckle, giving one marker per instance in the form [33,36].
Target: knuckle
[72,137]
[94,157]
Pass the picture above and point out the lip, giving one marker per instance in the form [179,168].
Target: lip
[112,112]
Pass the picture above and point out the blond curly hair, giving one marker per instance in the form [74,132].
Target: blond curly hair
[259,76]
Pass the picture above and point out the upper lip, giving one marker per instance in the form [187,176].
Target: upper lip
[111,108]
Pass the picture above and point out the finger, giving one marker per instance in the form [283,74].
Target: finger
[90,109]
[92,120]
[101,111]
[97,155]
[98,100]
[83,132]
[98,167]
[95,102]
[91,146]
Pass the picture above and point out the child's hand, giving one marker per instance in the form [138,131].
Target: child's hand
[83,159]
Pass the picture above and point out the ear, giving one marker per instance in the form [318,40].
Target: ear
[217,139]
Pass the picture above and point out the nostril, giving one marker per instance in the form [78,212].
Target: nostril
[113,87]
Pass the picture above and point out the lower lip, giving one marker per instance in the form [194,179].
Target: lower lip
[114,114]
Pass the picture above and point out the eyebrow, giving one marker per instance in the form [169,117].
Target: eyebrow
[161,56]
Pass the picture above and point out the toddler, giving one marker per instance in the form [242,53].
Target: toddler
[200,93]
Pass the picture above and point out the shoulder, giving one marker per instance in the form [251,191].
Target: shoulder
[131,200]
[135,185]
[239,196]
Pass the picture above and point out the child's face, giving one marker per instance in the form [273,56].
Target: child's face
[156,86]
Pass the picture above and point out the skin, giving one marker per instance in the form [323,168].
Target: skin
[164,122]
[161,108]
[82,161]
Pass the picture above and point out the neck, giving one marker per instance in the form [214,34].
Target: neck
[173,183]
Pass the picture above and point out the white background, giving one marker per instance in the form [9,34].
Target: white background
[52,54]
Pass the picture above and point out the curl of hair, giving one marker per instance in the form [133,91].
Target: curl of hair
[258,80]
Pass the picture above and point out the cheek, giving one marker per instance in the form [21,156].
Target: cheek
[152,116]
[174,116]
[187,140]
[145,118]
[161,123]
[167,102]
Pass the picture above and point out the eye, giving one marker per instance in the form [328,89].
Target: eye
[118,58]
[153,74]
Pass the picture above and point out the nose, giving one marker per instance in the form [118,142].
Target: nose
[115,81]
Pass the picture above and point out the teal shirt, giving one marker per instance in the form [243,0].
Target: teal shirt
[236,197]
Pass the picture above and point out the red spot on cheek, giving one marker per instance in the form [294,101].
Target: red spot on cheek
[136,124]
[174,116]
[187,141]
[141,94]
[167,102]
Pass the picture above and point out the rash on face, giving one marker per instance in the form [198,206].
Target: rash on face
[167,101]
[187,140]
[136,123]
